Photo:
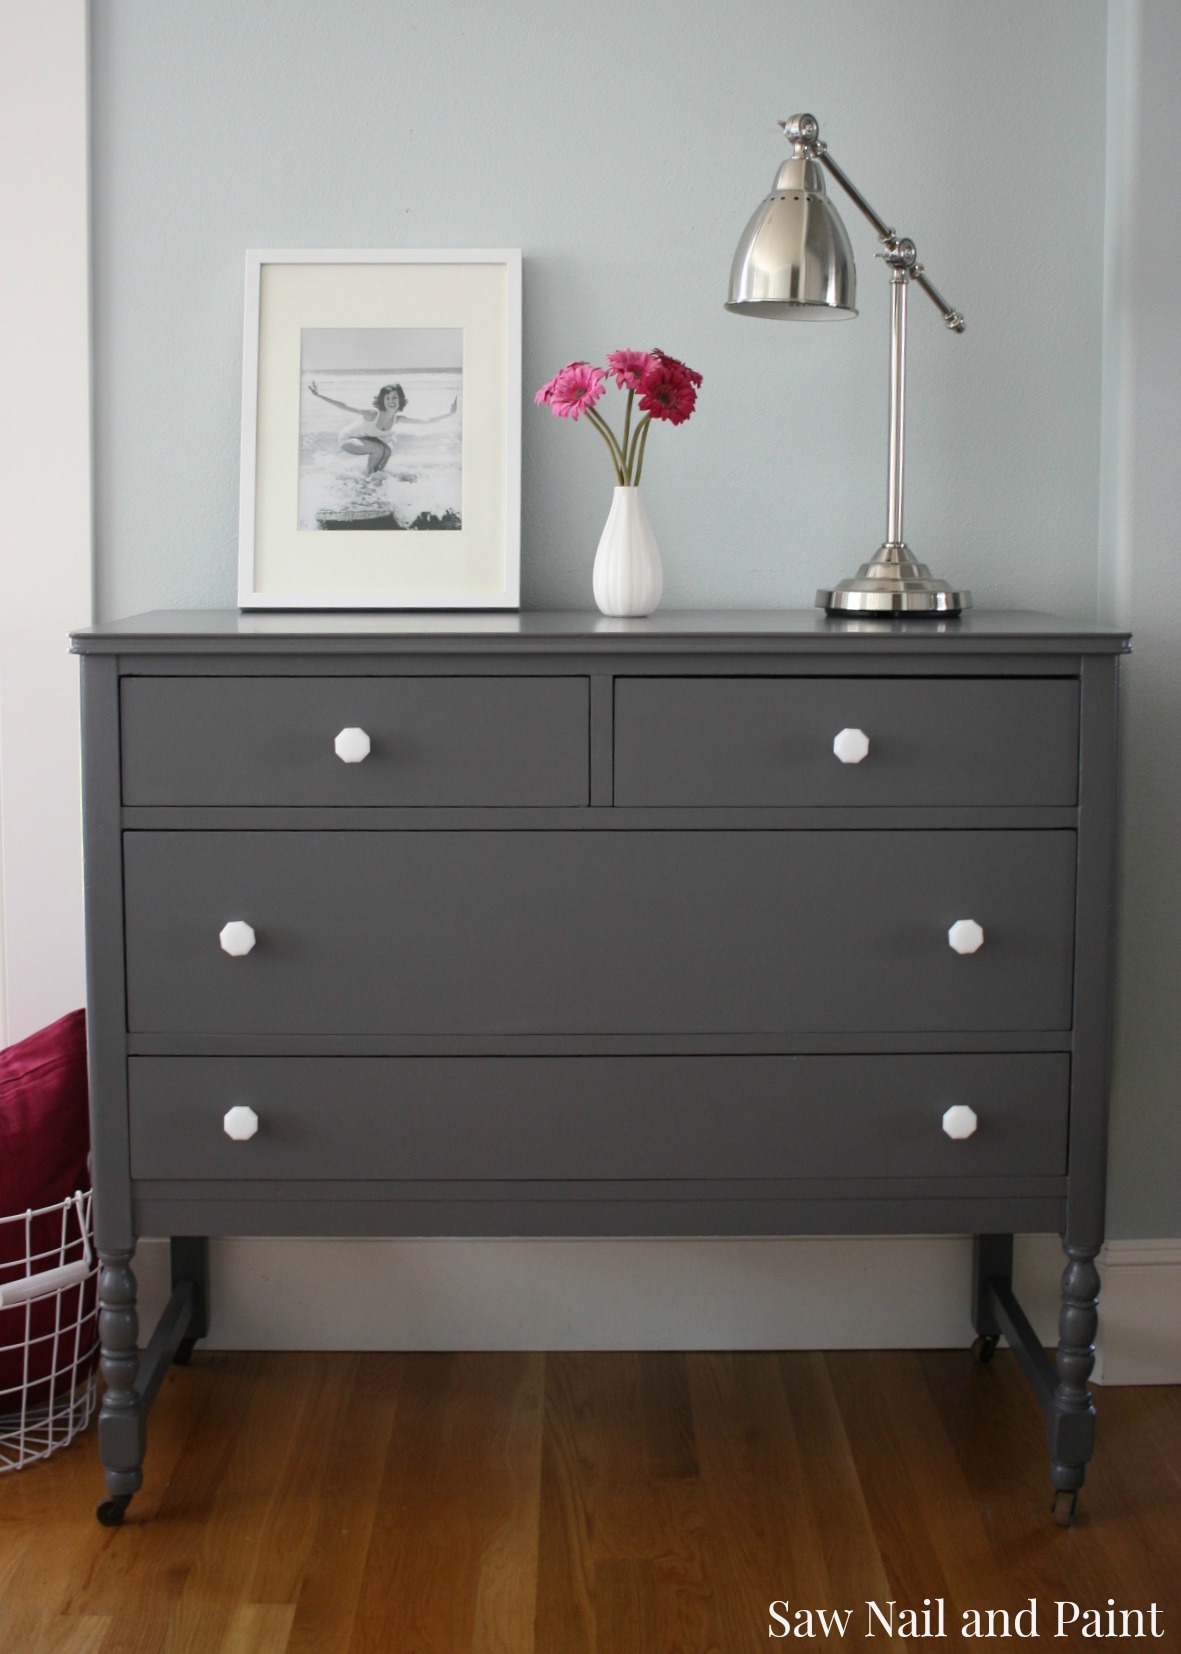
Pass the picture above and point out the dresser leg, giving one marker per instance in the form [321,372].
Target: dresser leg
[190,1262]
[992,1266]
[121,1419]
[1072,1418]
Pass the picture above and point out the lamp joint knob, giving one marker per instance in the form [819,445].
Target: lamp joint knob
[801,129]
[900,253]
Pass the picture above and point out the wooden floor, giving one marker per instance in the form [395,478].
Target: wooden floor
[563,1504]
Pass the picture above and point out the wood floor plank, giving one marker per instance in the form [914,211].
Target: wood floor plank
[685,1570]
[852,1561]
[671,1449]
[624,1525]
[31,1630]
[759,1517]
[259,1628]
[898,1473]
[334,1567]
[227,1553]
[76,1634]
[447,1486]
[506,1593]
[566,1573]
[625,1606]
[289,1525]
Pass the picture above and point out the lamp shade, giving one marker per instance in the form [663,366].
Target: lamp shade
[794,261]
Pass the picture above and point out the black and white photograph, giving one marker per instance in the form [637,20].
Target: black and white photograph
[381,428]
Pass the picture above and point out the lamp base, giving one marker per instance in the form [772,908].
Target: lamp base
[893,583]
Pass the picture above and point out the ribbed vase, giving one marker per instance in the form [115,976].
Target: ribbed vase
[628,578]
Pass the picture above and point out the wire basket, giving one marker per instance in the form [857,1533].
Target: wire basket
[48,1329]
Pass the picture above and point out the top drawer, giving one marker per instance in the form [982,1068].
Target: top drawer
[769,741]
[442,741]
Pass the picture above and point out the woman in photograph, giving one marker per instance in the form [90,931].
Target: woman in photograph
[372,433]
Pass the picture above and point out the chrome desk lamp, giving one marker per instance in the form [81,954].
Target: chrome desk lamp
[795,262]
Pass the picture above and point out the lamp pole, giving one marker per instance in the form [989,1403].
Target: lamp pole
[901,255]
[894,558]
[896,479]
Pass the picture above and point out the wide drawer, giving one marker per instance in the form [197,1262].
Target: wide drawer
[769,741]
[599,1117]
[433,740]
[588,932]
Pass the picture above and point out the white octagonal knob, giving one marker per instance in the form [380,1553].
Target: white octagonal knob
[352,745]
[960,1121]
[851,746]
[241,1123]
[966,936]
[237,938]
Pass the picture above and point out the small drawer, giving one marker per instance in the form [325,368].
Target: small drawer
[770,741]
[427,741]
[598,1117]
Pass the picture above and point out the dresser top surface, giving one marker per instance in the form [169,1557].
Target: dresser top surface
[217,631]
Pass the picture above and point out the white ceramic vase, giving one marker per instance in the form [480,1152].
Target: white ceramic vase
[628,578]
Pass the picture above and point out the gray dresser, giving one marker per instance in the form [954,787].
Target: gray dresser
[546,924]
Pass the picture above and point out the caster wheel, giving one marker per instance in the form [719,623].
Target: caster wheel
[984,1348]
[111,1512]
[184,1353]
[1064,1507]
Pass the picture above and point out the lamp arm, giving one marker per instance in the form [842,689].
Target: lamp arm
[891,240]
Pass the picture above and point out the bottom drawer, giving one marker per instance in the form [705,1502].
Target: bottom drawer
[598,1117]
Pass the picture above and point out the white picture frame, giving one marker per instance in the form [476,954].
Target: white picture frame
[442,328]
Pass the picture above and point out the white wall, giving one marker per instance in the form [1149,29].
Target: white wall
[45,517]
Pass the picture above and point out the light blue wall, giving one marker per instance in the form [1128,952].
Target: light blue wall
[623,146]
[1141,588]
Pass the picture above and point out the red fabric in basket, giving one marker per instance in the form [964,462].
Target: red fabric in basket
[44,1145]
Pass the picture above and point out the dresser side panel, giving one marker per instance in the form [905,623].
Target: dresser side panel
[1094,952]
[106,992]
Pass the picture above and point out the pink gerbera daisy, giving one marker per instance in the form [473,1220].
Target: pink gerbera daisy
[576,389]
[691,374]
[629,367]
[668,392]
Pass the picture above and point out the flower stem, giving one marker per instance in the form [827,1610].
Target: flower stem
[641,444]
[608,436]
[627,425]
[635,443]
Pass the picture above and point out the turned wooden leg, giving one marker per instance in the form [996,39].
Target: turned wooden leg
[1072,1420]
[121,1419]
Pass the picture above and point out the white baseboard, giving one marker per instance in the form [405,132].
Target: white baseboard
[833,1293]
[1140,1313]
[893,1292]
